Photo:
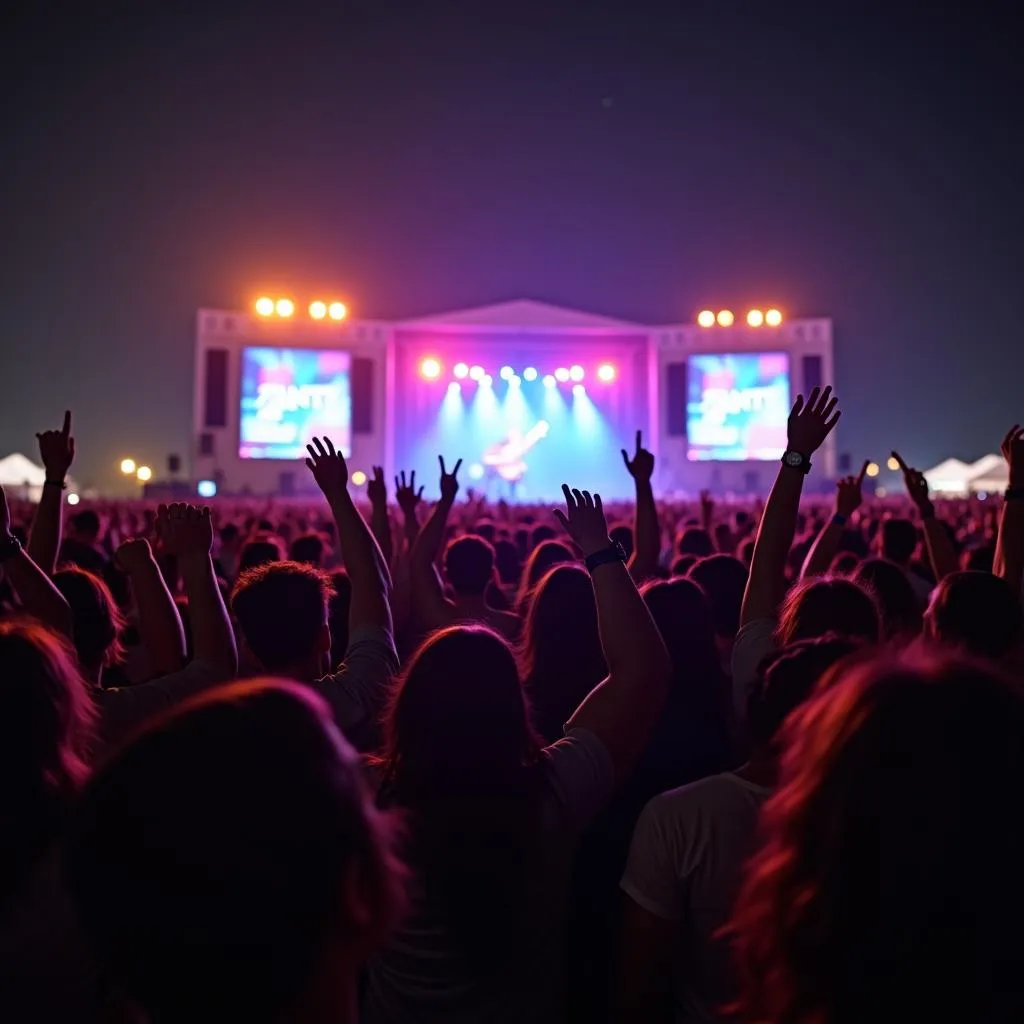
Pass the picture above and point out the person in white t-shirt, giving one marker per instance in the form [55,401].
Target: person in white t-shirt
[687,855]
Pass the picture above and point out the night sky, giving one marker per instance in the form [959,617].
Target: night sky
[420,158]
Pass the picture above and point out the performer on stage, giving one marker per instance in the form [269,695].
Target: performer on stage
[505,460]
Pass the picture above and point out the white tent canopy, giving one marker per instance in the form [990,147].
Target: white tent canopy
[22,477]
[954,477]
[949,477]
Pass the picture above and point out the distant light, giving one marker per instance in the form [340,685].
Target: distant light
[755,318]
[576,372]
[337,311]
[461,371]
[561,374]
[486,380]
[549,381]
[73,499]
[706,318]
[285,307]
[454,387]
[476,471]
[515,382]
[881,492]
[542,427]
[128,466]
[872,469]
[530,373]
[725,318]
[476,373]
[143,473]
[578,390]
[207,488]
[430,368]
[893,463]
[318,310]
[359,478]
[265,306]
[606,372]
[507,373]
[773,318]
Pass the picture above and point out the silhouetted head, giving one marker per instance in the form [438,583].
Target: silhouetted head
[723,579]
[822,605]
[97,621]
[260,551]
[308,549]
[899,540]
[85,526]
[897,603]
[543,557]
[469,565]
[977,612]
[622,535]
[695,540]
[507,562]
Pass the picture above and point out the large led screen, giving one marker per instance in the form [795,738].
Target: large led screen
[291,395]
[737,406]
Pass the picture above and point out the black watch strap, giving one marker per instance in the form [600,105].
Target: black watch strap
[796,460]
[612,553]
[9,547]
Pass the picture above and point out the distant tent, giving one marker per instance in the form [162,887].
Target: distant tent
[949,477]
[988,474]
[21,477]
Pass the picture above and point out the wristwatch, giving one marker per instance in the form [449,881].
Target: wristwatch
[9,547]
[613,553]
[795,460]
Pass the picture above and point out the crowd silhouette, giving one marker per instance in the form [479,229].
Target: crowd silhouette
[404,762]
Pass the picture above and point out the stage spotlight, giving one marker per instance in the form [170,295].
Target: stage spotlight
[430,368]
[514,382]
[893,463]
[285,307]
[549,381]
[476,373]
[755,318]
[561,375]
[318,310]
[578,390]
[265,306]
[706,318]
[476,471]
[872,469]
[486,381]
[143,473]
[530,373]
[606,372]
[359,478]
[773,318]
[73,498]
[507,373]
[576,373]
[461,371]
[337,311]
[128,467]
[454,388]
[207,488]
[725,318]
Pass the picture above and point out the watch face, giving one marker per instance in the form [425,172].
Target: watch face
[794,459]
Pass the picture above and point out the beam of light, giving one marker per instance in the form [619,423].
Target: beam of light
[285,307]
[507,373]
[549,381]
[454,388]
[476,471]
[576,373]
[476,373]
[606,373]
[578,390]
[706,318]
[561,375]
[530,373]
[265,306]
[515,382]
[318,310]
[461,371]
[430,368]
[486,381]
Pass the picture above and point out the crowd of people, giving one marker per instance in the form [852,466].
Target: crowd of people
[402,763]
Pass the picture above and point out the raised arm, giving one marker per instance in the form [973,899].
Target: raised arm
[809,424]
[159,622]
[360,554]
[647,540]
[408,499]
[380,521]
[623,709]
[941,552]
[57,452]
[186,532]
[1009,560]
[849,495]
[430,607]
[38,596]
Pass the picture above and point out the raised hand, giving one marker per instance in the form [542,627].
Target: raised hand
[184,530]
[641,466]
[328,468]
[1013,451]
[849,492]
[449,481]
[812,421]
[57,450]
[406,494]
[583,519]
[917,486]
[376,490]
[132,554]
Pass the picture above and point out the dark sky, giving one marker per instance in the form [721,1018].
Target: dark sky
[159,157]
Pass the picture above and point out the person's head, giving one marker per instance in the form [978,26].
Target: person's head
[562,658]
[281,608]
[723,579]
[46,722]
[338,608]
[507,562]
[622,535]
[543,557]
[888,886]
[262,550]
[308,549]
[822,605]
[897,603]
[683,564]
[98,622]
[84,526]
[484,528]
[746,552]
[230,536]
[979,559]
[844,564]
[228,864]
[695,540]
[976,612]
[469,566]
[898,540]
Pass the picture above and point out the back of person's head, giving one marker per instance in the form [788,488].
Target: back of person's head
[543,557]
[622,535]
[259,551]
[97,621]
[229,534]
[695,540]
[746,552]
[562,658]
[281,608]
[469,565]
[888,887]
[899,540]
[542,533]
[822,605]
[507,562]
[683,564]
[844,564]
[229,858]
[979,559]
[46,720]
[977,612]
[897,603]
[787,678]
[484,528]
[723,579]
[338,608]
[86,525]
[308,549]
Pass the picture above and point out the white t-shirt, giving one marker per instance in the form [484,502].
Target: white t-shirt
[423,978]
[684,866]
[754,640]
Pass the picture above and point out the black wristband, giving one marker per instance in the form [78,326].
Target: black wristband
[9,547]
[1014,494]
[55,483]
[612,553]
